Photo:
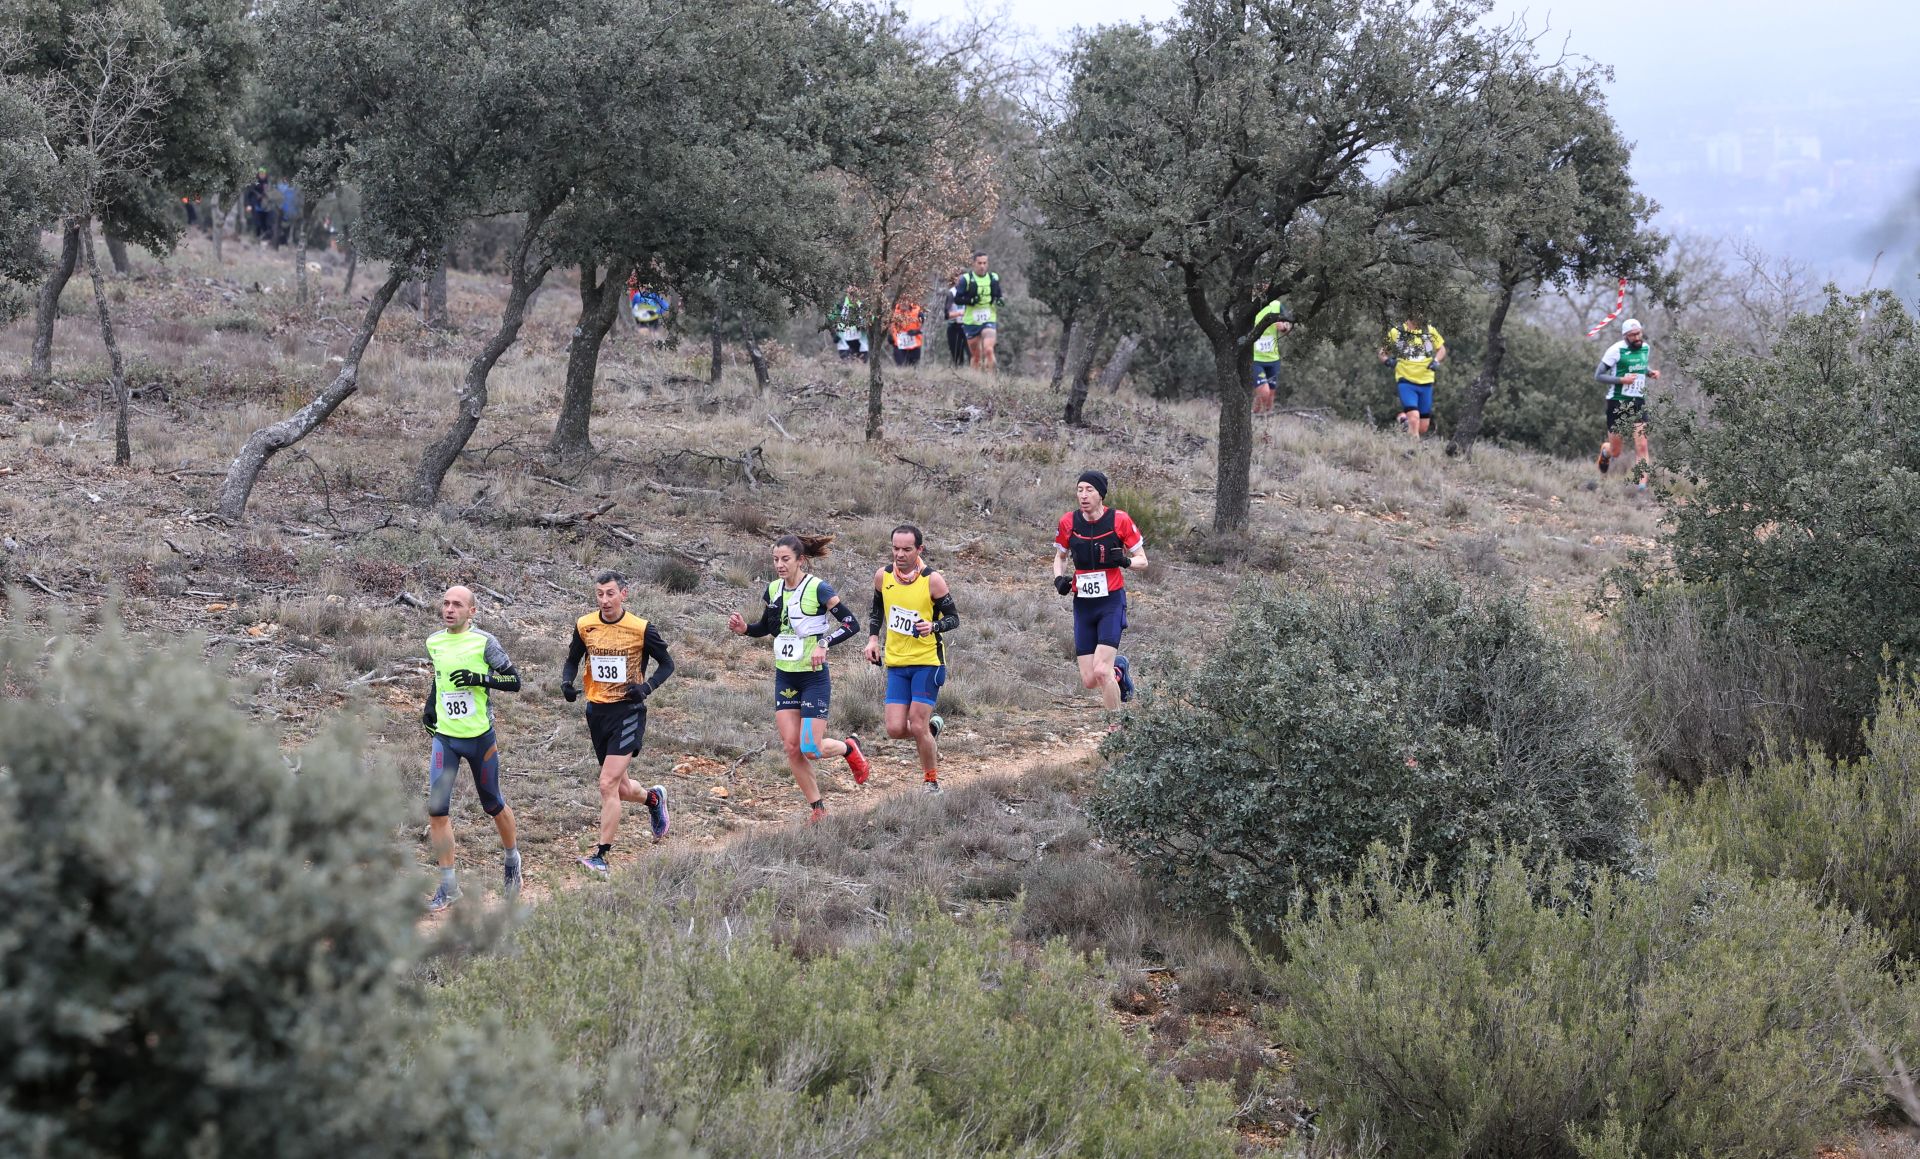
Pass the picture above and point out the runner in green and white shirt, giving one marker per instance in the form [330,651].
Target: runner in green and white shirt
[1625,368]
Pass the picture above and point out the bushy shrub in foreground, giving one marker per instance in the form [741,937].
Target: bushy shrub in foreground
[1325,721]
[937,1039]
[1848,830]
[1693,1012]
[205,953]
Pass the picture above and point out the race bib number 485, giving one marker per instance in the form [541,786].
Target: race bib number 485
[456,705]
[1090,584]
[610,669]
[905,621]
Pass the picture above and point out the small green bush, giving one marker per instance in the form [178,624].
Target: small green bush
[1848,830]
[206,953]
[1691,1012]
[1325,722]
[1158,517]
[936,1039]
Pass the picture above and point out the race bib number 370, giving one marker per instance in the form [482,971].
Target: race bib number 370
[1090,584]
[905,621]
[610,669]
[456,705]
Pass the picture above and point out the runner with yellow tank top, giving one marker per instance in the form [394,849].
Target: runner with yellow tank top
[468,665]
[617,646]
[805,617]
[912,612]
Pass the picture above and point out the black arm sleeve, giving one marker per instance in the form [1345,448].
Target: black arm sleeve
[430,716]
[877,616]
[769,622]
[576,652]
[946,617]
[505,679]
[849,624]
[656,650]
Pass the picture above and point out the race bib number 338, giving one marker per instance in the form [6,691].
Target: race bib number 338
[1090,584]
[610,669]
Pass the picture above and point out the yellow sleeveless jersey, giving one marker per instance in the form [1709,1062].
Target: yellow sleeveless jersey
[616,655]
[906,604]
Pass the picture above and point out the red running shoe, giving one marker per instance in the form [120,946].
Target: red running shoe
[857,760]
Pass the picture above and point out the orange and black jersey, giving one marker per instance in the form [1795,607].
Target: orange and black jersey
[617,656]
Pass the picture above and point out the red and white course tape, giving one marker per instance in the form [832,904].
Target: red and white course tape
[1618,306]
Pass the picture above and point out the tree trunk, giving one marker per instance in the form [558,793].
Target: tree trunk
[441,455]
[268,441]
[122,443]
[437,293]
[1080,367]
[875,427]
[762,376]
[117,251]
[216,226]
[49,311]
[717,362]
[353,259]
[1467,430]
[1121,362]
[300,258]
[1060,350]
[410,295]
[1233,377]
[599,306]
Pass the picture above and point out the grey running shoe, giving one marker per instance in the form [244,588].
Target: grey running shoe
[932,788]
[596,863]
[657,810]
[935,724]
[512,884]
[442,898]
[1124,671]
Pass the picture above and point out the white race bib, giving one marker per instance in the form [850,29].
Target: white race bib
[788,648]
[456,705]
[609,669]
[906,341]
[1266,344]
[1090,584]
[902,620]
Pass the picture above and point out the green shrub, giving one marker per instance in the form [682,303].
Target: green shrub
[1326,722]
[205,953]
[1691,1012]
[1848,830]
[1701,686]
[1158,518]
[934,1039]
[1806,487]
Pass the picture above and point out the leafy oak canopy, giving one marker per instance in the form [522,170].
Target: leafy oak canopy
[26,184]
[1267,150]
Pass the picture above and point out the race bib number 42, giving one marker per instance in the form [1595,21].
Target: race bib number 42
[1090,584]
[905,621]
[788,647]
[610,669]
[456,705]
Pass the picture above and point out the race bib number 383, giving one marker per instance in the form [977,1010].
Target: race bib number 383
[1090,584]
[905,621]
[456,705]
[610,669]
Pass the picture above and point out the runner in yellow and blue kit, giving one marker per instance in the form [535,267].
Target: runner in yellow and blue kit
[1415,348]
[805,617]
[912,613]
[468,664]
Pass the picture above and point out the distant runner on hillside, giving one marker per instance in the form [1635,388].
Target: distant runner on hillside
[1625,368]
[617,646]
[1415,348]
[649,308]
[1273,320]
[1094,545]
[912,613]
[849,338]
[468,664]
[956,330]
[978,295]
[904,333]
[805,617]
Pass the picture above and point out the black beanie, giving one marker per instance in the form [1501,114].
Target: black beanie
[1098,480]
